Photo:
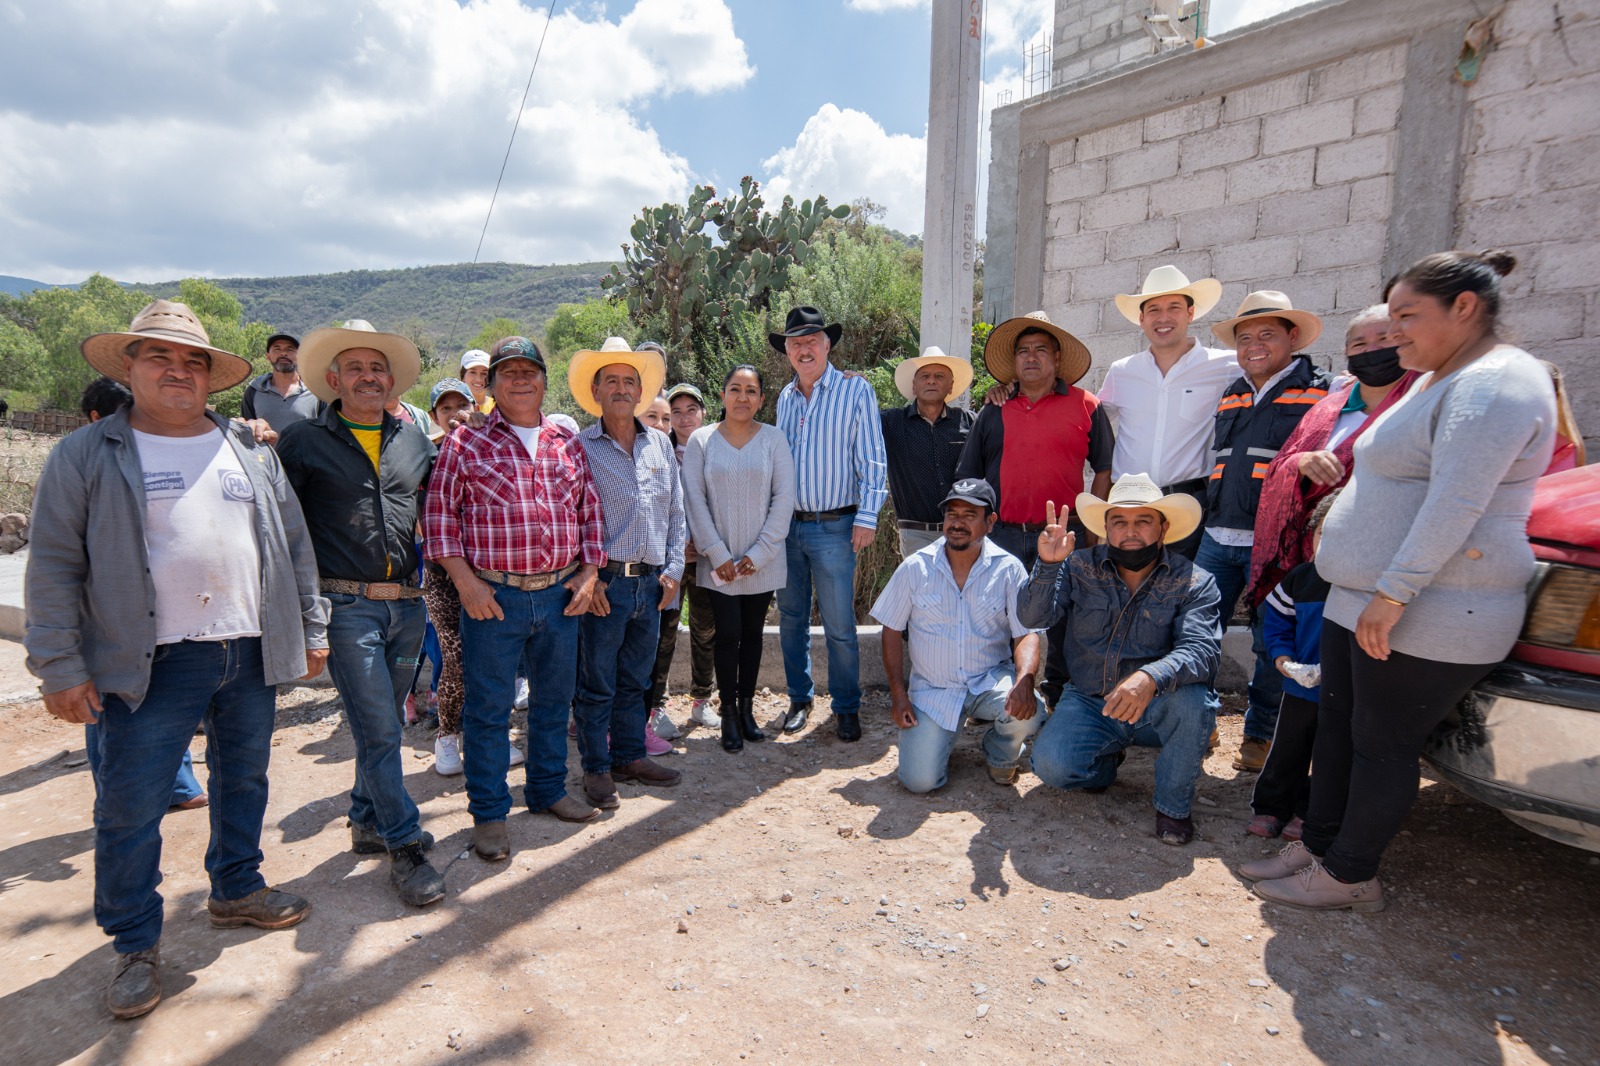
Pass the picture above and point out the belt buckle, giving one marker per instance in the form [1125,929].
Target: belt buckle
[383,590]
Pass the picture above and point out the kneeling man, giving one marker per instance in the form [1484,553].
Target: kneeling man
[975,659]
[1143,641]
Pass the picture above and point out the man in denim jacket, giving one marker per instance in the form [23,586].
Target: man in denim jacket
[1142,645]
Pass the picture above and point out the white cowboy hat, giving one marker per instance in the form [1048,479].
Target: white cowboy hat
[163,320]
[1269,303]
[322,347]
[587,363]
[1000,350]
[1181,510]
[1170,281]
[959,367]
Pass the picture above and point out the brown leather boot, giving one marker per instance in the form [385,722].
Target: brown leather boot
[645,772]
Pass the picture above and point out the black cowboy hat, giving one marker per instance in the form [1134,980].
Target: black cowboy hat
[803,321]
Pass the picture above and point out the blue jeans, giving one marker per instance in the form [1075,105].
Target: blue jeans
[925,747]
[819,553]
[535,636]
[1231,568]
[616,658]
[1075,747]
[185,786]
[374,646]
[215,683]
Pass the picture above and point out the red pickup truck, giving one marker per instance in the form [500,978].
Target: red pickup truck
[1526,740]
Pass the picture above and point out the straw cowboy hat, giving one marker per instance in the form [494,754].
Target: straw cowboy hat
[802,321]
[999,351]
[587,363]
[1270,304]
[1181,510]
[1170,281]
[322,347]
[163,320]
[934,356]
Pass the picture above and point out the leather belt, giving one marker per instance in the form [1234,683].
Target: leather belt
[1191,487]
[823,516]
[630,569]
[529,582]
[926,527]
[1023,527]
[372,590]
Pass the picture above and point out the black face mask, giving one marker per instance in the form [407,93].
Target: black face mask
[1134,558]
[1377,367]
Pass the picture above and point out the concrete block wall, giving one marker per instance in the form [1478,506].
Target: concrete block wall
[1092,36]
[1531,184]
[1283,184]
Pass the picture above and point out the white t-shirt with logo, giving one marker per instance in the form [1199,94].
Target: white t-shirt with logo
[200,536]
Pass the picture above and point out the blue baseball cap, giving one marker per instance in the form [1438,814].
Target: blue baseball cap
[444,385]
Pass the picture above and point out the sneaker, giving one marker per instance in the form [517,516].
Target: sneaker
[364,840]
[135,983]
[1265,825]
[517,756]
[433,703]
[265,908]
[1291,858]
[663,726]
[411,708]
[1315,889]
[1252,754]
[705,713]
[1294,829]
[522,694]
[656,745]
[447,754]
[414,877]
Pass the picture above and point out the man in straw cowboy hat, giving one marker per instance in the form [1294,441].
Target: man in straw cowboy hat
[171,584]
[513,517]
[636,473]
[1143,643]
[831,424]
[1164,399]
[359,472]
[923,440]
[1254,418]
[1033,447]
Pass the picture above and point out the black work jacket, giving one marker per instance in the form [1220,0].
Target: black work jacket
[1250,430]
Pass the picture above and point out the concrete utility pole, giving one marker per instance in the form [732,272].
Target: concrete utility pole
[950,211]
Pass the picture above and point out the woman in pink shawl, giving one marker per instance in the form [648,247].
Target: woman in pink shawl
[1315,460]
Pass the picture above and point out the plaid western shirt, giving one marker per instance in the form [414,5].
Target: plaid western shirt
[493,505]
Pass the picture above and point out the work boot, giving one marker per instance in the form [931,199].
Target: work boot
[265,908]
[1252,754]
[1315,889]
[1291,858]
[490,841]
[601,791]
[1174,831]
[418,883]
[135,987]
[364,840]
[645,772]
[1003,775]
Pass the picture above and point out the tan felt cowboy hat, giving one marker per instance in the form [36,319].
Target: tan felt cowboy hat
[1181,510]
[322,347]
[1170,281]
[1270,304]
[934,356]
[163,320]
[587,363]
[999,351]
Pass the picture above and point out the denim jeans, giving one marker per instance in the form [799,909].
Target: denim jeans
[1231,567]
[1075,747]
[218,684]
[819,554]
[537,636]
[185,786]
[616,654]
[925,747]
[374,646]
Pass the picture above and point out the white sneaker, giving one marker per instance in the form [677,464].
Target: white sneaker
[663,725]
[517,758]
[447,754]
[704,713]
[522,694]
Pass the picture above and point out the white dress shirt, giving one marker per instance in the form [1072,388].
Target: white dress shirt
[1164,422]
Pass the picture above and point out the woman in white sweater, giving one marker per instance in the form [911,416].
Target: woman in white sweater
[738,481]
[1427,555]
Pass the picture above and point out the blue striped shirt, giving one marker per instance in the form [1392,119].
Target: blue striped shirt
[837,442]
[641,496]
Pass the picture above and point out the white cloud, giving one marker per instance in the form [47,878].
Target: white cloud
[285,136]
[1231,14]
[845,154]
[875,6]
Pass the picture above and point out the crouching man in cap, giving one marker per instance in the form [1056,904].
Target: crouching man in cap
[975,658]
[171,584]
[359,472]
[1143,642]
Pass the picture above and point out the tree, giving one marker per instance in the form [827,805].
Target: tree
[492,330]
[586,325]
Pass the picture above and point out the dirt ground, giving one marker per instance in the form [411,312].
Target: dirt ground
[793,903]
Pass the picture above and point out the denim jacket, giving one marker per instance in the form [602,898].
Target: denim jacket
[1171,628]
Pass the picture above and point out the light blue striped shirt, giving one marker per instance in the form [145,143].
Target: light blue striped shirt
[836,439]
[641,496]
[961,635]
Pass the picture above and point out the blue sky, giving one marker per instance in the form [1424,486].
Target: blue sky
[260,137]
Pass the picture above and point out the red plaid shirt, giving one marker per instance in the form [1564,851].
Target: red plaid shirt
[491,504]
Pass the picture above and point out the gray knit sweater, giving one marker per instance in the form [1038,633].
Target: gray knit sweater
[1436,511]
[740,502]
